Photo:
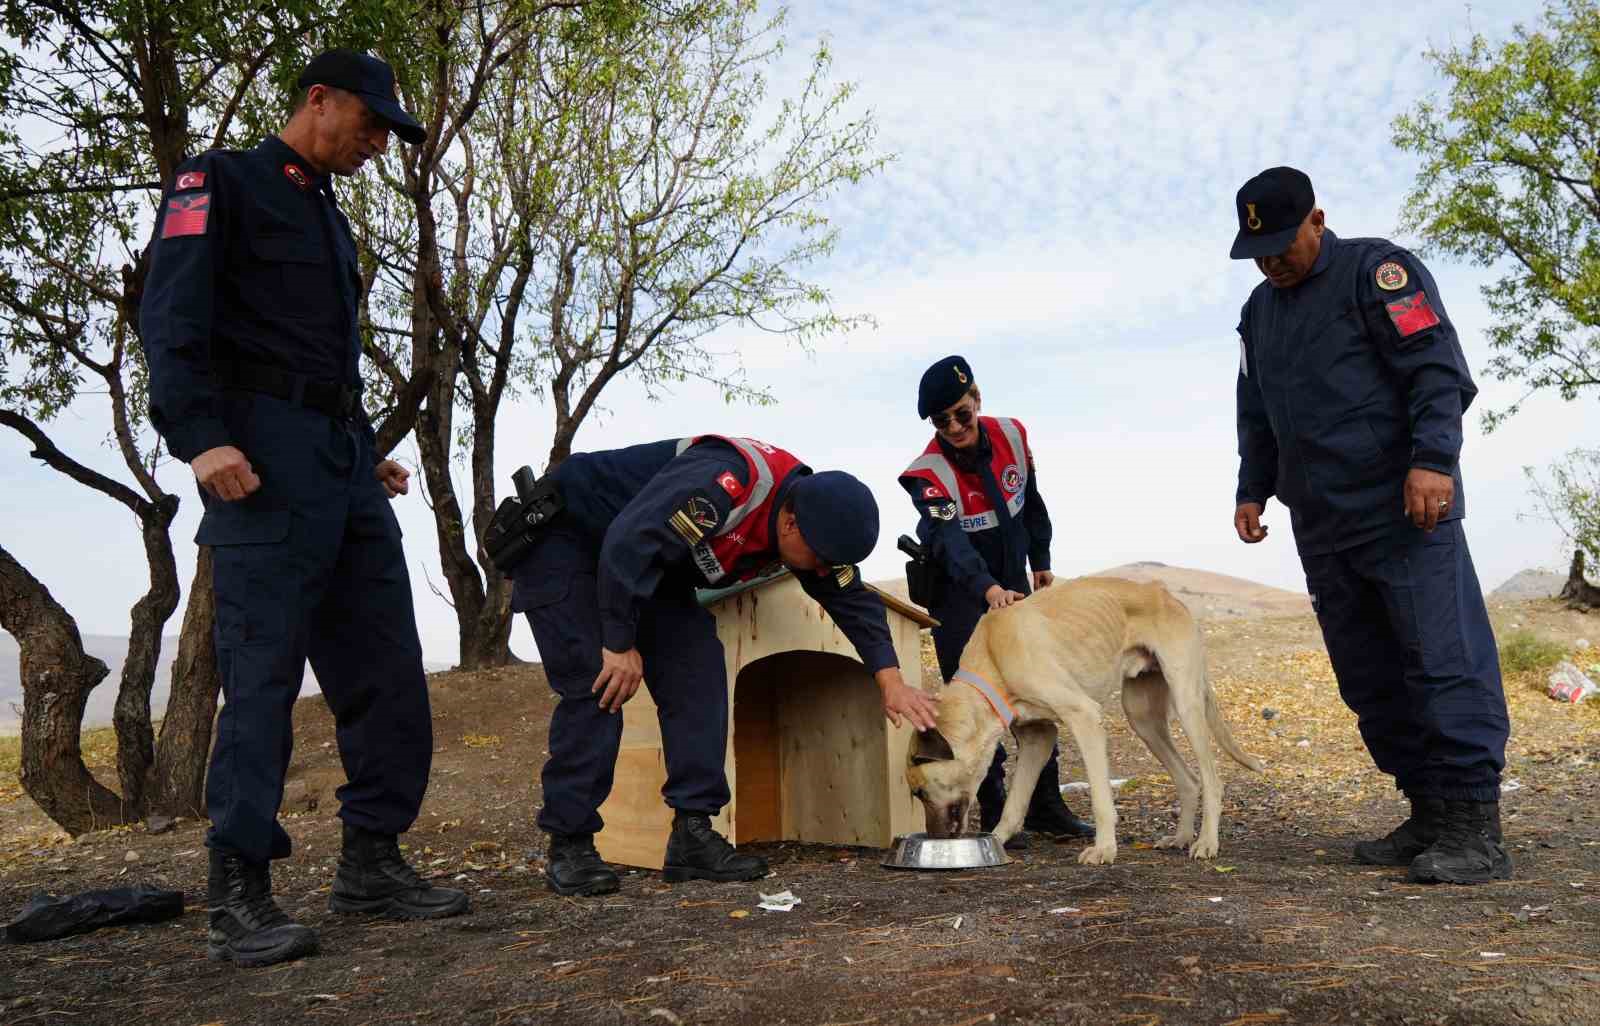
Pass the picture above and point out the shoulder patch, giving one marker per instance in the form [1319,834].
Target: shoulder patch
[1412,314]
[694,519]
[943,511]
[729,483]
[298,176]
[186,215]
[190,180]
[1390,276]
[932,492]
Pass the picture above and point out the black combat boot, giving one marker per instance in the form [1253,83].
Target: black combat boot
[374,877]
[246,926]
[1049,815]
[573,867]
[1469,848]
[697,852]
[1406,841]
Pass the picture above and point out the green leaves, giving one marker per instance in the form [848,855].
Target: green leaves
[1511,179]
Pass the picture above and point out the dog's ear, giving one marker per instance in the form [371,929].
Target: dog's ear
[930,746]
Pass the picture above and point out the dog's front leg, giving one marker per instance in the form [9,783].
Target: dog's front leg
[1035,739]
[1091,738]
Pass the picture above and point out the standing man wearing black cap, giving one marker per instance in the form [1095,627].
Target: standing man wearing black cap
[1351,389]
[984,522]
[249,323]
[608,586]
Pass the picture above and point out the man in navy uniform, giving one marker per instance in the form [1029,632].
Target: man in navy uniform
[1351,389]
[249,323]
[608,586]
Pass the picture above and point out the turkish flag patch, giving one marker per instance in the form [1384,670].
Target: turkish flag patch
[931,492]
[1412,314]
[186,215]
[729,483]
[190,180]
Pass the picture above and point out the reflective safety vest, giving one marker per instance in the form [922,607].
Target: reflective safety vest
[747,529]
[1008,459]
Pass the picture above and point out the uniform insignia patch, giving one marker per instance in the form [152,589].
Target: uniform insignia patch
[186,215]
[298,176]
[701,511]
[1412,314]
[190,180]
[844,575]
[1011,478]
[684,526]
[959,376]
[943,511]
[932,492]
[729,483]
[1391,277]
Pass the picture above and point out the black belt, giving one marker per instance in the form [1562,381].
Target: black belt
[337,401]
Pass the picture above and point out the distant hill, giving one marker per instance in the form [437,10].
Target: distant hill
[103,699]
[1530,584]
[1213,596]
[1208,595]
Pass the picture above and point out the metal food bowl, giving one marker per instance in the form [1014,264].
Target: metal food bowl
[969,851]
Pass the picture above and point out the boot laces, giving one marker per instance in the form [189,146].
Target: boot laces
[250,897]
[699,828]
[386,856]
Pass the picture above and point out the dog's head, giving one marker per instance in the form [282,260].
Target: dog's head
[940,783]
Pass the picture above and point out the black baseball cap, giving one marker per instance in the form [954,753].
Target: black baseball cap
[1272,206]
[370,79]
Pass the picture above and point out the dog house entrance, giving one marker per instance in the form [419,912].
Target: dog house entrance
[810,749]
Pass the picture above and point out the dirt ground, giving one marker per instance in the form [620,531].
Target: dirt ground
[1281,928]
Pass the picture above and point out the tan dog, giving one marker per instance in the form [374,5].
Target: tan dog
[1056,659]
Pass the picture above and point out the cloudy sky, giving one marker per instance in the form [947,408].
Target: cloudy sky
[1059,212]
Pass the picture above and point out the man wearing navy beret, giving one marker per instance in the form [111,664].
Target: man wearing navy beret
[608,587]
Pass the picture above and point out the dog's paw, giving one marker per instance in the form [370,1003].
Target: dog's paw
[1204,848]
[1098,855]
[1175,841]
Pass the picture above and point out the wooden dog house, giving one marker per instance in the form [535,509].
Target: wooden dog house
[810,757]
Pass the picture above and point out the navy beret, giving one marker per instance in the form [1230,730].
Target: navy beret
[942,386]
[837,517]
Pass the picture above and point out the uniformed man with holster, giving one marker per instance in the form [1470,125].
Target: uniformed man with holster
[1351,389]
[250,326]
[617,544]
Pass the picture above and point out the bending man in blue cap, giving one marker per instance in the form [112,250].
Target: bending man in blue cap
[608,587]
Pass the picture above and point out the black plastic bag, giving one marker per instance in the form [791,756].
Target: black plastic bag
[47,917]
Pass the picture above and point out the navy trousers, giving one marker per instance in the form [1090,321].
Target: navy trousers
[1410,641]
[311,566]
[683,668]
[957,621]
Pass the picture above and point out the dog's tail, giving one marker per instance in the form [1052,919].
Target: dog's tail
[1224,736]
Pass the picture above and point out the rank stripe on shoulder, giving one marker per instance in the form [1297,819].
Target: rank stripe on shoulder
[686,528]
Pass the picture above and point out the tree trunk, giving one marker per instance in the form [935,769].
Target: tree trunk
[1578,592]
[177,786]
[57,676]
[135,738]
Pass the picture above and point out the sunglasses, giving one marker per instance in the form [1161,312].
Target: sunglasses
[963,416]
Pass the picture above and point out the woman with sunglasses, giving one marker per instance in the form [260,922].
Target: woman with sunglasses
[983,523]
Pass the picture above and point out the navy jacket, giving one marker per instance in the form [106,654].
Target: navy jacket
[1347,381]
[252,263]
[624,500]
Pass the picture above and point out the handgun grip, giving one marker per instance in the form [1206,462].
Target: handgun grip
[524,481]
